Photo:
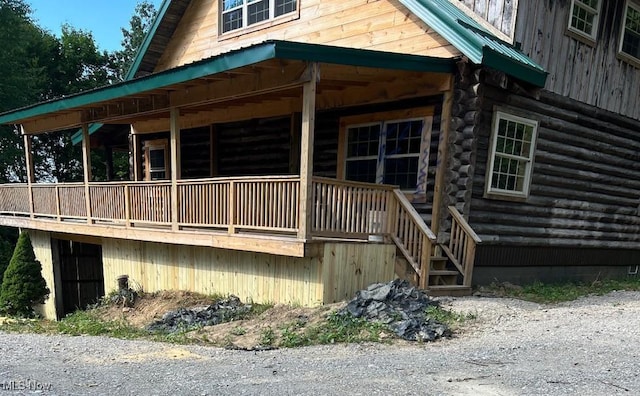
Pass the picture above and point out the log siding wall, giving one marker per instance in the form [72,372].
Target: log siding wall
[383,25]
[585,189]
[588,72]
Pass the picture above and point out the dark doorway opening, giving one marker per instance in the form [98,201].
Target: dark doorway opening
[81,275]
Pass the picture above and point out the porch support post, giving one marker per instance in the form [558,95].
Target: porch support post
[306,152]
[175,165]
[136,164]
[86,166]
[439,203]
[28,156]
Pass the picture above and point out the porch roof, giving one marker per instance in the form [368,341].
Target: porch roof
[71,111]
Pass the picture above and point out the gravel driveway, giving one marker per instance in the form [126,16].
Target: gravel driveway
[586,347]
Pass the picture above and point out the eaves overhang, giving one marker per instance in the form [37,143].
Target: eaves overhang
[58,108]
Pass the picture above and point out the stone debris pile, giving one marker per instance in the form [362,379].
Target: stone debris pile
[222,311]
[400,306]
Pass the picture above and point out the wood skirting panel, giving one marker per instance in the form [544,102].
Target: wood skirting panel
[257,277]
[383,25]
[41,242]
[349,267]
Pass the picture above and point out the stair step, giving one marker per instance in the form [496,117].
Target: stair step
[443,273]
[449,290]
[438,263]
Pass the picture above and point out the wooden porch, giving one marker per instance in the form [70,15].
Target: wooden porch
[260,214]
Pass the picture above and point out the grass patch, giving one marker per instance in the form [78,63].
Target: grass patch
[337,328]
[88,323]
[549,293]
[448,317]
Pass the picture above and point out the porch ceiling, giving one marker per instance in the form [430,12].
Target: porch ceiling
[272,71]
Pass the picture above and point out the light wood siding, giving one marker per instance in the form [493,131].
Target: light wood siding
[383,25]
[251,276]
[585,189]
[41,242]
[589,73]
[348,267]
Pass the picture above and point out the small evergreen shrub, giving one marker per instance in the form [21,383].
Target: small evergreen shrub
[5,256]
[22,284]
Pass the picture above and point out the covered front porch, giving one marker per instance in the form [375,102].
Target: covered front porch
[290,213]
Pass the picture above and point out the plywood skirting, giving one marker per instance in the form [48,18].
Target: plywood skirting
[41,242]
[258,277]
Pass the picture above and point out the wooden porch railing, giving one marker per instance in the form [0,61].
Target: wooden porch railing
[340,209]
[357,210]
[344,208]
[461,249]
[413,238]
[268,203]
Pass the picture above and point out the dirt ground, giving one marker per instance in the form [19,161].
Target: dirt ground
[238,334]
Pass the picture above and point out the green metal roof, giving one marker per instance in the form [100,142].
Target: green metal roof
[147,40]
[474,41]
[232,60]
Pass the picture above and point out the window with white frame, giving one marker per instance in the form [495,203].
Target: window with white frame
[239,14]
[387,152]
[583,17]
[511,157]
[630,40]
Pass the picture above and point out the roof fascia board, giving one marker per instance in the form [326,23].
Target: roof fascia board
[528,74]
[147,40]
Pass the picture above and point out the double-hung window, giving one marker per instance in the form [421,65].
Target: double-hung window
[390,151]
[583,18]
[239,14]
[630,40]
[511,156]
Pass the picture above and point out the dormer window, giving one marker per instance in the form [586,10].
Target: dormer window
[240,14]
[583,19]
[630,40]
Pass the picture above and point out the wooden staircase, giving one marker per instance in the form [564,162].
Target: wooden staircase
[441,269]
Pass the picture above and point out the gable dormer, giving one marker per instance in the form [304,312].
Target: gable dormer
[212,27]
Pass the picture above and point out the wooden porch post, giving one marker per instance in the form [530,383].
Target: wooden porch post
[439,204]
[306,152]
[135,152]
[175,166]
[86,165]
[28,155]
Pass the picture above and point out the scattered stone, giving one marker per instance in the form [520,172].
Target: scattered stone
[222,311]
[401,307]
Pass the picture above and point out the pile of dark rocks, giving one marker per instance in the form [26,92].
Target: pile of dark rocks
[222,311]
[401,307]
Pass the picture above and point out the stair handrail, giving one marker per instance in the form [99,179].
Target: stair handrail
[461,249]
[417,249]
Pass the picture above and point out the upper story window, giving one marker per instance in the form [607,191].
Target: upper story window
[630,40]
[583,18]
[511,158]
[240,14]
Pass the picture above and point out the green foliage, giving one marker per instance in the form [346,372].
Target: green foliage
[568,291]
[267,337]
[87,323]
[448,317]
[23,284]
[132,38]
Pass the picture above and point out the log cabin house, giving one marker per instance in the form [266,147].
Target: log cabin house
[297,150]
